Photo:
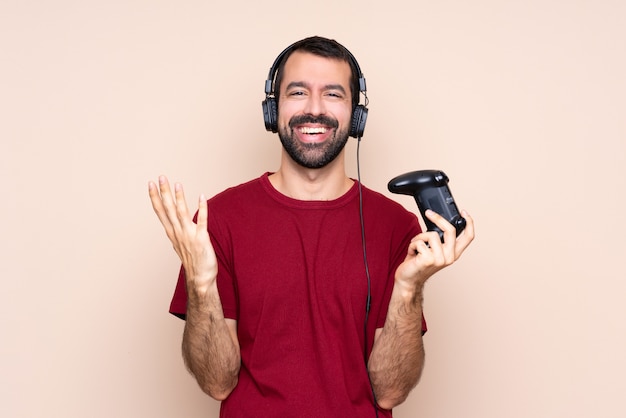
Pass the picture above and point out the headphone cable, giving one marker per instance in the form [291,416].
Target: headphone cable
[367,271]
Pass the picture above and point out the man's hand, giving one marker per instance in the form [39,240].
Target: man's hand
[427,254]
[210,345]
[397,358]
[190,240]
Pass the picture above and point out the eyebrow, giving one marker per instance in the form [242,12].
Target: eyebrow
[295,84]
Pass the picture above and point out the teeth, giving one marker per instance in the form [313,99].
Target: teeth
[307,130]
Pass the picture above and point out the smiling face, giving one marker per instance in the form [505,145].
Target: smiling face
[314,109]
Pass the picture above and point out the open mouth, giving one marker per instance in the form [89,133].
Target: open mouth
[307,130]
[313,129]
[313,134]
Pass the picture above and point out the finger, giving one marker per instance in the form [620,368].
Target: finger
[416,246]
[170,202]
[155,197]
[449,235]
[438,250]
[167,198]
[469,223]
[429,237]
[157,203]
[431,257]
[412,250]
[427,243]
[161,212]
[441,222]
[203,212]
[468,234]
[176,208]
[182,212]
[422,247]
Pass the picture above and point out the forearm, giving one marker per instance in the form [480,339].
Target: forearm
[397,358]
[210,350]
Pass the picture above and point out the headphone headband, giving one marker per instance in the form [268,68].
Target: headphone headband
[269,83]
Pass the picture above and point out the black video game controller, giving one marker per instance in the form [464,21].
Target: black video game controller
[430,190]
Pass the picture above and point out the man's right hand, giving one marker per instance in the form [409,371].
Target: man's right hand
[190,240]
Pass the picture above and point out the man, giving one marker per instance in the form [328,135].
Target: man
[287,312]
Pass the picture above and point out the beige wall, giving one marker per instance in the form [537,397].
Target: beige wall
[522,103]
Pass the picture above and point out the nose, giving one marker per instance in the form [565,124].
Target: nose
[315,105]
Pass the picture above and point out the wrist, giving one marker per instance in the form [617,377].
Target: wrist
[410,292]
[200,290]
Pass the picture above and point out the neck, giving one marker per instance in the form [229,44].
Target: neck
[326,183]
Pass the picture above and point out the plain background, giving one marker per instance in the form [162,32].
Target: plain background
[522,103]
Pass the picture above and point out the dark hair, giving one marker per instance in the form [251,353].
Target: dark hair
[327,48]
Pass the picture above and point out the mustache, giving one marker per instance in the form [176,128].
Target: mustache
[321,120]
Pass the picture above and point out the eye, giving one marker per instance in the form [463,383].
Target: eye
[335,94]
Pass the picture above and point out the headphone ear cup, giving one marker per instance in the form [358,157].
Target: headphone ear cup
[359,117]
[270,114]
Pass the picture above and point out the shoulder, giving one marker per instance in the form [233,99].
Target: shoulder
[381,203]
[240,193]
[384,214]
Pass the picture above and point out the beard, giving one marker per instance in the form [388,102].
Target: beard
[313,155]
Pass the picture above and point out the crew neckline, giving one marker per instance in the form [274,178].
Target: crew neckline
[342,200]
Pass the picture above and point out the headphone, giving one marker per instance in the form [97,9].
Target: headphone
[270,107]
